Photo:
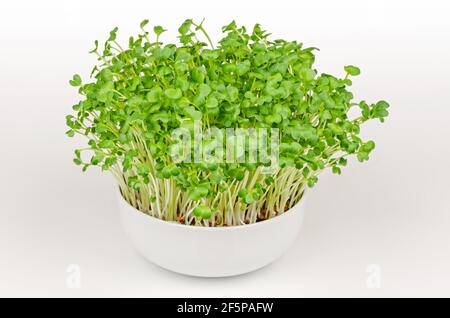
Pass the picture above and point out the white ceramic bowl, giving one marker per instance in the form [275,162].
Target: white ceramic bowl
[211,251]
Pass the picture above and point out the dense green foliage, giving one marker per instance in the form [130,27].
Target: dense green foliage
[138,95]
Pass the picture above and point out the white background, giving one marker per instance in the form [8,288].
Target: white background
[393,211]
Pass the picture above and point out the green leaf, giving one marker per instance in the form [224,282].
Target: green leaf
[362,156]
[233,93]
[193,113]
[352,70]
[133,182]
[307,75]
[326,115]
[97,158]
[274,118]
[173,93]
[301,131]
[198,75]
[311,181]
[154,94]
[243,68]
[365,110]
[112,35]
[135,101]
[198,193]
[249,199]
[368,146]
[76,80]
[143,23]
[242,193]
[211,102]
[106,144]
[95,47]
[229,27]
[204,90]
[336,170]
[159,30]
[282,110]
[105,93]
[143,169]
[379,110]
[184,28]
[202,211]
[261,58]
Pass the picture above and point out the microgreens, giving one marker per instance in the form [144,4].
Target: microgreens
[140,94]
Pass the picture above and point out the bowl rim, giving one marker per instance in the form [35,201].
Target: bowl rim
[277,219]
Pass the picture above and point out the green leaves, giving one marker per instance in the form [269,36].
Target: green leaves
[366,148]
[243,68]
[250,196]
[204,90]
[154,95]
[299,131]
[105,92]
[138,96]
[202,211]
[143,24]
[198,74]
[193,113]
[352,70]
[159,30]
[229,27]
[380,110]
[112,35]
[184,28]
[134,183]
[282,110]
[76,80]
[307,74]
[198,192]
[94,50]
[173,93]
[108,144]
[212,103]
[311,181]
[232,93]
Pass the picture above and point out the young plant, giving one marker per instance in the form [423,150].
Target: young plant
[140,95]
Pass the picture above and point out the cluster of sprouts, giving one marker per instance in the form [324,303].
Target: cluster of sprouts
[140,94]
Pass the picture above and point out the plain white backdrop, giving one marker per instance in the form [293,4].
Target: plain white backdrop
[380,229]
